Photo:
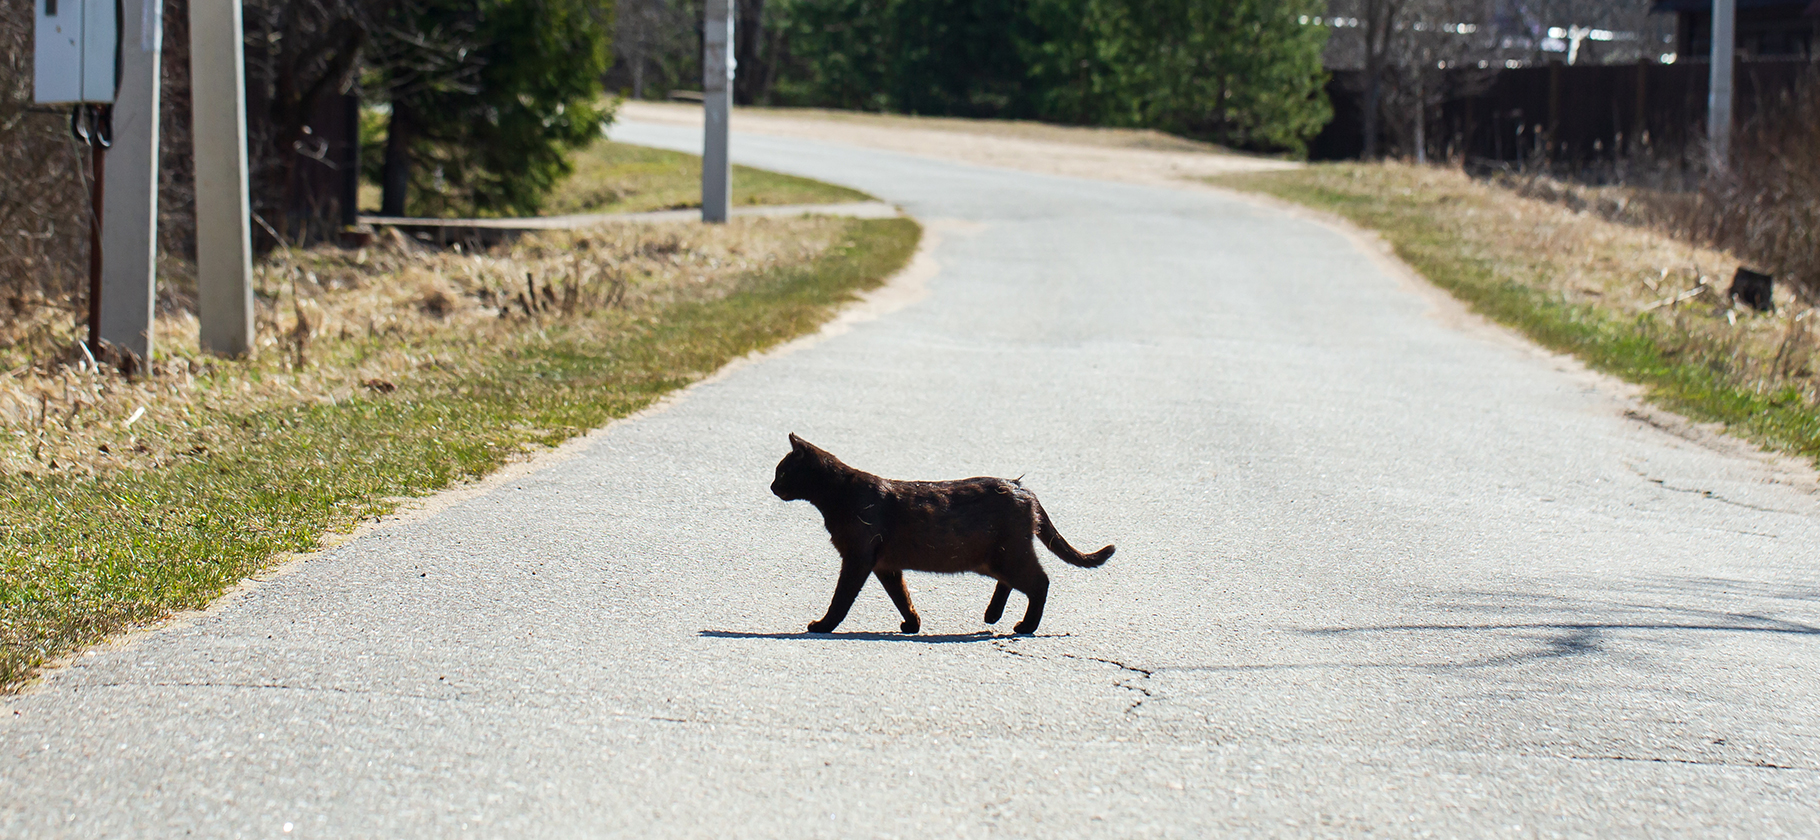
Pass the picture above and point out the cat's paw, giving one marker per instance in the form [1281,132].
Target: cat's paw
[1024,628]
[822,626]
[910,626]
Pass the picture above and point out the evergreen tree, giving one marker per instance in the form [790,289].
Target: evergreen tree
[487,96]
[957,58]
[839,53]
[1076,54]
[1245,73]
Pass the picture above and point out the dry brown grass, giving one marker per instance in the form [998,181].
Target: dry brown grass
[335,323]
[1617,226]
[1568,246]
[1764,207]
[1555,236]
[1629,299]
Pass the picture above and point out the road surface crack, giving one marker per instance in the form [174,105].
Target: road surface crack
[1760,764]
[1704,494]
[1129,683]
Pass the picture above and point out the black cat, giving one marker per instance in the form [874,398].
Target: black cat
[882,527]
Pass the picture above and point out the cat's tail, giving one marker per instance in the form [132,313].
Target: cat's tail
[1045,531]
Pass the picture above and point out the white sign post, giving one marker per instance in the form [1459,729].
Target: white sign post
[224,252]
[717,103]
[129,216]
[1719,86]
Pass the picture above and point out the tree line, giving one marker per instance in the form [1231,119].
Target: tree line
[1245,73]
[473,105]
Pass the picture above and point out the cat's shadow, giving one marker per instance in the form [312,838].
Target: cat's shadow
[925,638]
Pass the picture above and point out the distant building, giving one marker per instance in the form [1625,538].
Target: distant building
[1505,34]
[1767,29]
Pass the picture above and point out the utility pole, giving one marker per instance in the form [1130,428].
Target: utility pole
[129,212]
[717,104]
[224,251]
[1719,87]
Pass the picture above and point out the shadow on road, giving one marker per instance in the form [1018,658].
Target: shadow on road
[1607,619]
[1747,624]
[929,639]
[1572,626]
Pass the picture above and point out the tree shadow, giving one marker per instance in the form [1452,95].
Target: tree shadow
[1756,624]
[1578,624]
[1574,626]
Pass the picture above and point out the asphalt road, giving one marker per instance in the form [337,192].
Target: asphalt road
[1377,573]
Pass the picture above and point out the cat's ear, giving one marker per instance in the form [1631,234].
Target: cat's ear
[797,444]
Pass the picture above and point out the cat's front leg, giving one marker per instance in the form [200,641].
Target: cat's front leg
[996,609]
[852,577]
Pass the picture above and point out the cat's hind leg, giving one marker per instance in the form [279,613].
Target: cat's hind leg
[1036,588]
[1021,569]
[893,582]
[996,609]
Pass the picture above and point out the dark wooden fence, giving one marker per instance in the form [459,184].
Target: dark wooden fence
[323,178]
[1572,116]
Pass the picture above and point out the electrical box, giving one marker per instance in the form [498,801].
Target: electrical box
[76,48]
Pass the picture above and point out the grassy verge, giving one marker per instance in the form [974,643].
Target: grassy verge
[384,375]
[620,178]
[1628,301]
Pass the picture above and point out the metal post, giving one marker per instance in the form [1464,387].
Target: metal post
[224,252]
[1719,89]
[96,198]
[717,102]
[129,217]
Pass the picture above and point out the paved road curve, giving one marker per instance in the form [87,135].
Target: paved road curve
[1375,573]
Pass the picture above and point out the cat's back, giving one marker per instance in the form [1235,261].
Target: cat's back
[981,496]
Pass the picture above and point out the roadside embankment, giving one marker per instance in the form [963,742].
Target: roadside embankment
[381,374]
[1628,301]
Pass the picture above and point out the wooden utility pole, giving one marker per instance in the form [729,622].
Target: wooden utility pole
[717,104]
[1719,87]
[224,252]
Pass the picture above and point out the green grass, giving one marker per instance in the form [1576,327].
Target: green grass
[620,178]
[83,557]
[1697,364]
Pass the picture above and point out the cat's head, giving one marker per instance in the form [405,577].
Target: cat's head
[796,472]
